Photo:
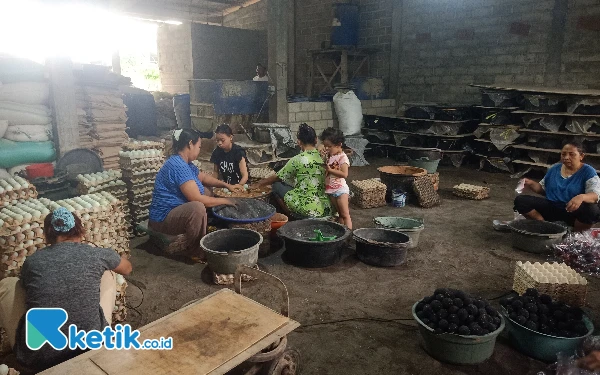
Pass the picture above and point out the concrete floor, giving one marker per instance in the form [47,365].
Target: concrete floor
[345,310]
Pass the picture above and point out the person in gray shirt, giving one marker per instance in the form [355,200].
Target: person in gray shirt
[67,274]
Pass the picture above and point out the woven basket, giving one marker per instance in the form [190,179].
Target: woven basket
[471,191]
[435,179]
[368,193]
[571,294]
[425,191]
[400,177]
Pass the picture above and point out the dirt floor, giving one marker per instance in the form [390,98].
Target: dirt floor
[356,319]
[346,311]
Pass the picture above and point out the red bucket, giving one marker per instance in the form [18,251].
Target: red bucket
[39,170]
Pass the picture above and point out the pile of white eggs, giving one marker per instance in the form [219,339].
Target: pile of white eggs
[142,145]
[15,188]
[99,178]
[141,154]
[552,273]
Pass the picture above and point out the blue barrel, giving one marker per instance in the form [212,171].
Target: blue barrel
[181,105]
[345,25]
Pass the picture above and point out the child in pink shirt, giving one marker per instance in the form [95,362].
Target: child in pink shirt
[337,171]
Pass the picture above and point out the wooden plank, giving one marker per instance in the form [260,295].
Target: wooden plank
[495,125]
[541,90]
[549,150]
[549,133]
[558,114]
[458,136]
[434,121]
[211,336]
[531,163]
[79,365]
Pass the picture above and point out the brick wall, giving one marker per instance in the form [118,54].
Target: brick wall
[321,115]
[448,45]
[252,17]
[174,44]
[313,26]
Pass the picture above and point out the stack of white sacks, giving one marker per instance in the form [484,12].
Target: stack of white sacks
[25,117]
[102,121]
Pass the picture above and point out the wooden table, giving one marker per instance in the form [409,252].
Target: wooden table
[210,336]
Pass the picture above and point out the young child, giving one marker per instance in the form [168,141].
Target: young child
[229,159]
[337,170]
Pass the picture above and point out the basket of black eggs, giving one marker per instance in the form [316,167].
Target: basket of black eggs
[457,327]
[541,327]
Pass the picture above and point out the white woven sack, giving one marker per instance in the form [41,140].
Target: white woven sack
[349,112]
[24,114]
[19,168]
[28,133]
[25,92]
[4,174]
[3,126]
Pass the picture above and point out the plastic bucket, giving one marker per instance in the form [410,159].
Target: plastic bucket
[277,221]
[430,165]
[381,247]
[411,227]
[398,198]
[457,349]
[535,236]
[39,170]
[228,248]
[540,346]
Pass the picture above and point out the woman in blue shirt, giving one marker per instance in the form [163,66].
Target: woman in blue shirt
[180,200]
[571,189]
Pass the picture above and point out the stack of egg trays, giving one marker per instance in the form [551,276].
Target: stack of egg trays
[139,168]
[21,233]
[14,189]
[104,220]
[571,294]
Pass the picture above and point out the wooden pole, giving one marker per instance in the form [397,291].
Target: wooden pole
[277,18]
[65,123]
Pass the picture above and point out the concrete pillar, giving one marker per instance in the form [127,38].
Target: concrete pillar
[116,62]
[277,18]
[291,46]
[65,125]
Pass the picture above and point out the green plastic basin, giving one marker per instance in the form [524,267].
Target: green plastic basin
[409,226]
[540,346]
[457,349]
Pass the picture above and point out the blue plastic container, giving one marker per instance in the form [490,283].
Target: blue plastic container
[344,31]
[181,104]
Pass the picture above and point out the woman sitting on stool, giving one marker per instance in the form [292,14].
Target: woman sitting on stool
[572,191]
[67,274]
[180,200]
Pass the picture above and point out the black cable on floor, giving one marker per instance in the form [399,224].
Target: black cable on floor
[142,301]
[379,320]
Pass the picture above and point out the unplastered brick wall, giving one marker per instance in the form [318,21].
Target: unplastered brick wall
[321,115]
[313,26]
[251,17]
[447,45]
[580,59]
[175,64]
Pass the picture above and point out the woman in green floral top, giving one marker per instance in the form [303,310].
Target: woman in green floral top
[299,186]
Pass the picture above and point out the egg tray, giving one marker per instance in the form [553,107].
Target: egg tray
[571,294]
[99,177]
[136,164]
[368,193]
[9,196]
[471,191]
[143,145]
[145,190]
[260,173]
[139,181]
[425,192]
